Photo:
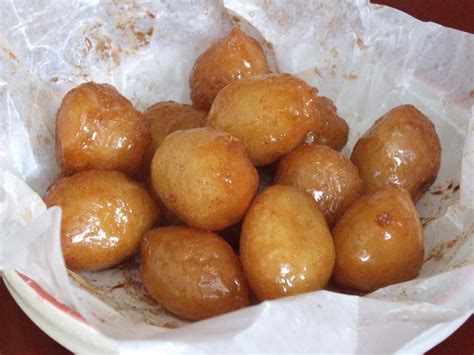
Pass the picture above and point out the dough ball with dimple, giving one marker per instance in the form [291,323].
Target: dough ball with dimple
[401,148]
[104,215]
[192,273]
[333,130]
[205,177]
[169,116]
[325,174]
[285,246]
[379,241]
[97,128]
[270,115]
[236,56]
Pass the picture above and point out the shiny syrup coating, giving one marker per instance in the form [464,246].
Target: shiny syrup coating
[204,177]
[401,148]
[97,128]
[192,273]
[379,241]
[168,116]
[325,174]
[104,215]
[236,56]
[333,130]
[269,114]
[285,244]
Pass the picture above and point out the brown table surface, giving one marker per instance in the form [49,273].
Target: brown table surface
[19,335]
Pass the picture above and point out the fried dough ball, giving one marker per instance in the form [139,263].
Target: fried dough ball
[325,174]
[236,56]
[97,128]
[169,116]
[168,218]
[401,148]
[204,176]
[379,241]
[192,273]
[285,246]
[333,130]
[270,114]
[104,215]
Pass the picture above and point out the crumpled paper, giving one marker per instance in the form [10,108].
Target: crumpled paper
[366,58]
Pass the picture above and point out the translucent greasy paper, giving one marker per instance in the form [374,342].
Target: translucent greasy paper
[366,58]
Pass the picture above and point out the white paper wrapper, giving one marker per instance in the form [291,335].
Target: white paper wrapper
[367,58]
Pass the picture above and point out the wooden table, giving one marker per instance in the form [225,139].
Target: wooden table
[18,335]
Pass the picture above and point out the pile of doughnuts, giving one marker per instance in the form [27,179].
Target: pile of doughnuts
[254,163]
